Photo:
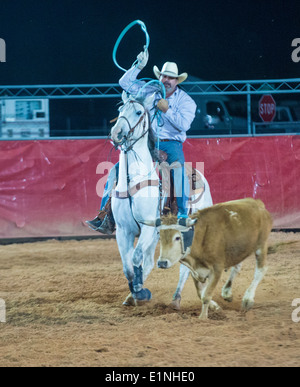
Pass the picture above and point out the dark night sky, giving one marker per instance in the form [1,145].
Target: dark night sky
[66,41]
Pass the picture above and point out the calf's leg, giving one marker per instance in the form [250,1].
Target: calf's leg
[260,271]
[200,286]
[227,289]
[207,293]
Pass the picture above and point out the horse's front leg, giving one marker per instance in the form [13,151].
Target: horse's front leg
[127,230]
[144,207]
[148,262]
[143,262]
[126,248]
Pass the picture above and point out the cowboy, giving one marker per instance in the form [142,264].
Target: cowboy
[177,112]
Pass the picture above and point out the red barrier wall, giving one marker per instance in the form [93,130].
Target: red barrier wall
[48,188]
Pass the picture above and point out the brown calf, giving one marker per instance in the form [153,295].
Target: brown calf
[224,236]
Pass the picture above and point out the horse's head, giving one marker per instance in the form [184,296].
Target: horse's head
[133,121]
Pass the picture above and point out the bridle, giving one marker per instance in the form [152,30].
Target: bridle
[132,129]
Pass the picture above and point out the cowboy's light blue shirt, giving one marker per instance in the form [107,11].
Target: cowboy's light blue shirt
[173,124]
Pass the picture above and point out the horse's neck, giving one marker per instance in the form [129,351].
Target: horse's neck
[136,165]
[123,172]
[140,153]
[140,163]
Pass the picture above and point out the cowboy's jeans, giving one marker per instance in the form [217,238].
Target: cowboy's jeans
[110,183]
[174,150]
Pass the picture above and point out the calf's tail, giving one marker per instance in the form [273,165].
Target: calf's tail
[274,248]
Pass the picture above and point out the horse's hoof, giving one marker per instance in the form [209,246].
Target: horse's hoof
[247,304]
[130,301]
[143,295]
[175,304]
[228,299]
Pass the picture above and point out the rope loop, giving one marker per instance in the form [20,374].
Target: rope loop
[123,33]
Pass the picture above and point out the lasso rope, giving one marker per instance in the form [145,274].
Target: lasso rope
[146,46]
[123,33]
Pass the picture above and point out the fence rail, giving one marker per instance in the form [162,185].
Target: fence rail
[247,88]
[106,90]
[113,90]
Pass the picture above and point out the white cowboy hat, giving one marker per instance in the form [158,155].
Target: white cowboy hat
[170,69]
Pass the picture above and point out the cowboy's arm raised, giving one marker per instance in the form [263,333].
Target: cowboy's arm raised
[132,85]
[129,81]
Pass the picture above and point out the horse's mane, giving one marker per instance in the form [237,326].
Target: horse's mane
[152,140]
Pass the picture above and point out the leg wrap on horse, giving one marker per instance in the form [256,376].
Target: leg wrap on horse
[138,279]
[138,292]
[130,284]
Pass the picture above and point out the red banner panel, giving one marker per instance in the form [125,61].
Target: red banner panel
[49,188]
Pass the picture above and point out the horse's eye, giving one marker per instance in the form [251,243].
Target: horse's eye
[139,112]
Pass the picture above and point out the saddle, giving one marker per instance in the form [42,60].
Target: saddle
[194,176]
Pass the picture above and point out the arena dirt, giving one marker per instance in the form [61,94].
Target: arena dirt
[64,308]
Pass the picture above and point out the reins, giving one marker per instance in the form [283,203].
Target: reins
[132,129]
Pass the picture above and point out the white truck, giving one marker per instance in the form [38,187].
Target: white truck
[22,119]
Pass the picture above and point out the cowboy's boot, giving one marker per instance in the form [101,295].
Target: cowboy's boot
[104,222]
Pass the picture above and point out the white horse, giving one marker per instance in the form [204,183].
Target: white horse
[136,197]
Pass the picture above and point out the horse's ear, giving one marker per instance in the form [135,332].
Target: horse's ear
[149,101]
[124,97]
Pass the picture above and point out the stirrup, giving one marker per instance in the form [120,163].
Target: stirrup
[106,226]
[94,224]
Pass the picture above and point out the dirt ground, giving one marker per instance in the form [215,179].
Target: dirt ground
[64,308]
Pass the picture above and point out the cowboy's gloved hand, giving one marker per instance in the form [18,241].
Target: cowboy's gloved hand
[143,59]
[163,105]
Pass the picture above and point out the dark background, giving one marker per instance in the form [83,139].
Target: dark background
[55,42]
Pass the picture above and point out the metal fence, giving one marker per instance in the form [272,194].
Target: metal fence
[225,108]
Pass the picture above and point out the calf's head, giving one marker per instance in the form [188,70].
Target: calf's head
[175,237]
